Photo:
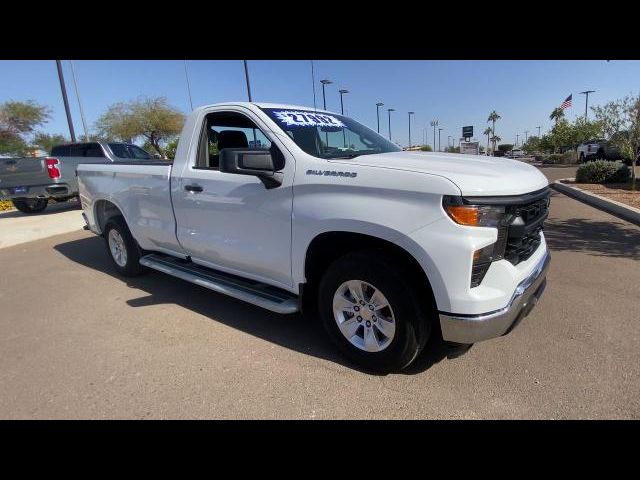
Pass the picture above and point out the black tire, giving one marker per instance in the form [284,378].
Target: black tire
[130,265]
[412,328]
[30,205]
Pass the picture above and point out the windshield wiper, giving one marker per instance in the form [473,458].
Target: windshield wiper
[353,155]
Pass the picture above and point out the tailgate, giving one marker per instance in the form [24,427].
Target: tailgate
[23,172]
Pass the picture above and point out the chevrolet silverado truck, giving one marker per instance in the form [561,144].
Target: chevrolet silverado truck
[389,247]
[30,182]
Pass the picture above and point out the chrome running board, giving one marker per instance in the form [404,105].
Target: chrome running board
[256,293]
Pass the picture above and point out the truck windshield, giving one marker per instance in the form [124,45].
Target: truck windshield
[329,135]
[124,150]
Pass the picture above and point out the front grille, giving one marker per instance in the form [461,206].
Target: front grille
[524,224]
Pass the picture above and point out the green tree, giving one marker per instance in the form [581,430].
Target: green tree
[493,117]
[18,120]
[170,149]
[620,122]
[532,144]
[47,141]
[150,118]
[557,114]
[487,132]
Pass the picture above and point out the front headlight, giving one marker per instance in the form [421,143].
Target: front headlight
[479,216]
[473,215]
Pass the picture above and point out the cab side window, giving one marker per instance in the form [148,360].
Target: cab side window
[228,130]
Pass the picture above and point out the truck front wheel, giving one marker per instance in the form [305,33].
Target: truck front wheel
[122,248]
[371,312]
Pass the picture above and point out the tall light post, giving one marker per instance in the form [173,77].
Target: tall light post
[378,105]
[538,131]
[517,136]
[434,124]
[410,113]
[342,92]
[390,110]
[439,130]
[448,141]
[186,75]
[324,98]
[344,135]
[526,136]
[246,76]
[75,84]
[65,100]
[586,101]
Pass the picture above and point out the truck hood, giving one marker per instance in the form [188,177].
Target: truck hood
[473,174]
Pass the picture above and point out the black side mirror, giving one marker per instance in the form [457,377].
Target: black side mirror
[258,163]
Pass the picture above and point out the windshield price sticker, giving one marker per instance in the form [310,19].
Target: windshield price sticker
[307,119]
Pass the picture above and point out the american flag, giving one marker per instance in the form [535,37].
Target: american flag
[567,102]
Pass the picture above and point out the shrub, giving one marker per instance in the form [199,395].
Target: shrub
[602,171]
[426,148]
[569,158]
[566,158]
[5,205]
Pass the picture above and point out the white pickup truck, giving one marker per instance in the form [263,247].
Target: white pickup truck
[288,207]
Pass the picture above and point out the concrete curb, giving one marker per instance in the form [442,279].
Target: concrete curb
[618,209]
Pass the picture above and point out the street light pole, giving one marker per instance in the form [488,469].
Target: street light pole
[378,105]
[410,113]
[246,76]
[65,100]
[390,110]
[342,92]
[186,74]
[517,136]
[75,84]
[434,124]
[324,98]
[538,131]
[344,135]
[439,146]
[448,141]
[586,101]
[526,136]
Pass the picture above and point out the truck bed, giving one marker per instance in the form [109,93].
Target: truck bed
[141,191]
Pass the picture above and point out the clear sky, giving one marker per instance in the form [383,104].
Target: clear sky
[455,92]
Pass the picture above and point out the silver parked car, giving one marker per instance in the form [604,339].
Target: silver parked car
[29,182]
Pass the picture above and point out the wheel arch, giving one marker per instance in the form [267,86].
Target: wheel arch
[103,211]
[326,247]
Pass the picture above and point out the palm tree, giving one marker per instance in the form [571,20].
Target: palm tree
[557,114]
[493,116]
[495,139]
[487,132]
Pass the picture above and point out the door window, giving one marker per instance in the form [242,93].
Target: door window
[228,130]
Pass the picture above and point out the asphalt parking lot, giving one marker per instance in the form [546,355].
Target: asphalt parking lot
[77,341]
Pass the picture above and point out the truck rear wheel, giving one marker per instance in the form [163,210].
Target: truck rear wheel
[122,248]
[30,205]
[371,312]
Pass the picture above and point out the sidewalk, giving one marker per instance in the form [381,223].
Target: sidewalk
[17,227]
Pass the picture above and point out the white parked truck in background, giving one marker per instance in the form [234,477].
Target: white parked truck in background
[390,247]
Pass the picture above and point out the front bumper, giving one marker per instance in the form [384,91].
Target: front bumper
[460,328]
